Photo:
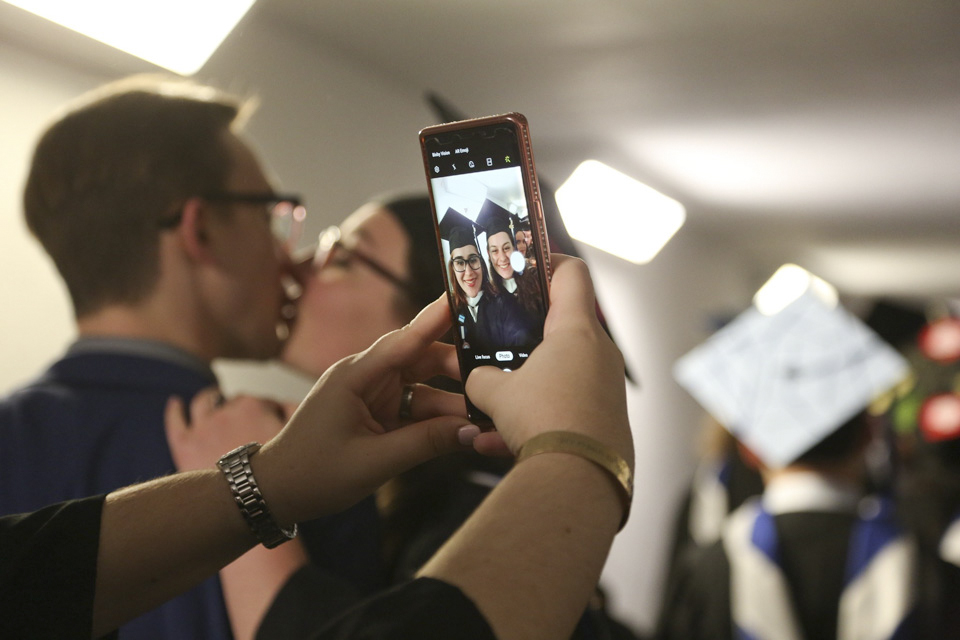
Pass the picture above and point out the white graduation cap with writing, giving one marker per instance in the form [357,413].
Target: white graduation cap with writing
[784,382]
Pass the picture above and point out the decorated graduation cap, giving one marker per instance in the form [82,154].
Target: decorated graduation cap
[457,229]
[495,219]
[782,383]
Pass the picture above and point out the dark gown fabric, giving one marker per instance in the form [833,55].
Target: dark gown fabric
[814,549]
[501,324]
[48,571]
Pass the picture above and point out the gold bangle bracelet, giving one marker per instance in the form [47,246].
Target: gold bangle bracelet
[586,447]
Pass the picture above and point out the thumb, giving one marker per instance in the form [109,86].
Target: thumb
[484,386]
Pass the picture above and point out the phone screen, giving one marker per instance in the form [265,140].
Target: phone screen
[487,235]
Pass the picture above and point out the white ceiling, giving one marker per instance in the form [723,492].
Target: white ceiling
[821,132]
[818,132]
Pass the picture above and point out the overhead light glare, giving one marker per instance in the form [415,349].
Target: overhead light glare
[615,213]
[787,284]
[179,35]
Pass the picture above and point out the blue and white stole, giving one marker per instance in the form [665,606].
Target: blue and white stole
[879,589]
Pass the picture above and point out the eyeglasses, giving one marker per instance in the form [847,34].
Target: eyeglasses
[285,213]
[331,251]
[460,265]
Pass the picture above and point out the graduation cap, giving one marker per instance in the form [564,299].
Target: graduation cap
[783,383]
[457,229]
[495,219]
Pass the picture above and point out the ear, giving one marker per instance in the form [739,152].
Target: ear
[194,233]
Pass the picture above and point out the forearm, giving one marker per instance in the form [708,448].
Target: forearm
[531,555]
[160,538]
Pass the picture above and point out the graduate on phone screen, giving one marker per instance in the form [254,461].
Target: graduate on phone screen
[490,320]
[510,272]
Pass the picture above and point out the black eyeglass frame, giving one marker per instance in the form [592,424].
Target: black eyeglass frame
[466,263]
[327,248]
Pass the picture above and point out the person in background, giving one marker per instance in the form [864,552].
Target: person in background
[722,481]
[523,566]
[173,244]
[814,557]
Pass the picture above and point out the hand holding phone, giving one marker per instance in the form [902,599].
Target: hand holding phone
[486,200]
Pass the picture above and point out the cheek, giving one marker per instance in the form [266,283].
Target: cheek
[345,304]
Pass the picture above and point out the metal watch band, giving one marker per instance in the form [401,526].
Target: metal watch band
[236,468]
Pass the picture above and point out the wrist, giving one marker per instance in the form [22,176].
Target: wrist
[590,449]
[248,496]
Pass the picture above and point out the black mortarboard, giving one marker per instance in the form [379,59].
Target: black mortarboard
[494,219]
[461,237]
[457,229]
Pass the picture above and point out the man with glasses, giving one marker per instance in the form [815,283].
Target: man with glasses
[173,246]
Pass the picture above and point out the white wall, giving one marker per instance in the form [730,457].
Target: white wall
[339,134]
[36,318]
[658,312]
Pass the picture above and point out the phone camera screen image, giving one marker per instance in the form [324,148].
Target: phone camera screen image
[497,288]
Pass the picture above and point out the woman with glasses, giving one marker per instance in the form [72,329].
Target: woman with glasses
[371,275]
[488,319]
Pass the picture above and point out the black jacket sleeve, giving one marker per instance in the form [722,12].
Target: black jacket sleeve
[48,568]
[425,609]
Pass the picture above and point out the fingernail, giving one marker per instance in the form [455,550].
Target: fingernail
[467,433]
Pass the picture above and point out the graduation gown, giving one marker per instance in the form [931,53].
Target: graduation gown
[525,288]
[806,562]
[501,324]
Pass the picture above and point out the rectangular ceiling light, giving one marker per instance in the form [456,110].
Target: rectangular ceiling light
[611,211]
[179,35]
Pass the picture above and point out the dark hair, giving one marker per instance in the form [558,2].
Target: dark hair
[840,445]
[103,175]
[414,213]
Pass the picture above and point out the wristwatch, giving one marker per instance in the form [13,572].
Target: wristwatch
[236,468]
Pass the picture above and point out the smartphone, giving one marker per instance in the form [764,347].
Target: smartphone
[492,238]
